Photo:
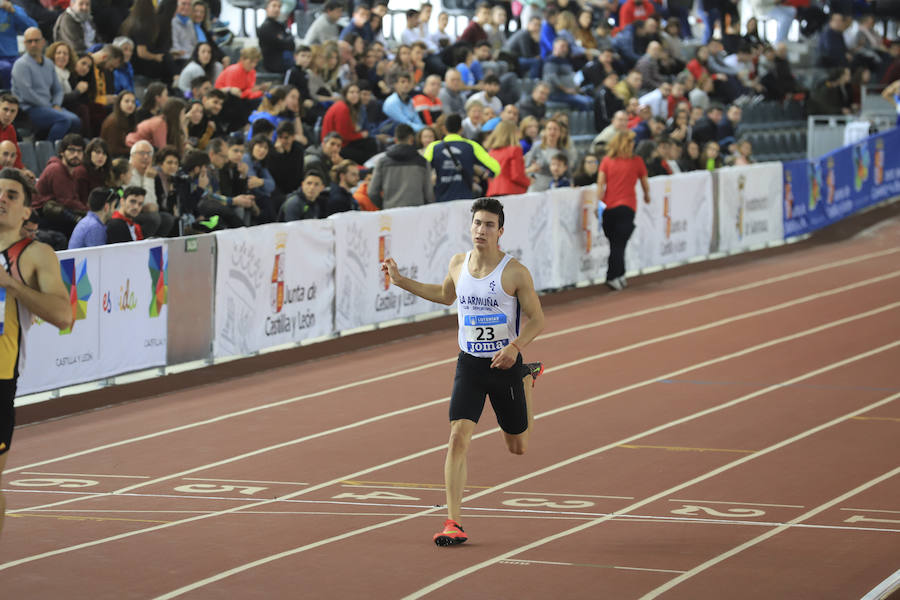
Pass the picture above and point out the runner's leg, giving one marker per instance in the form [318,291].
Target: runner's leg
[461,431]
[2,497]
[518,443]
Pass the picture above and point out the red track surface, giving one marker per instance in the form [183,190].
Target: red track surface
[692,440]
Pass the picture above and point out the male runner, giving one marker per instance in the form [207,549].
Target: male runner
[492,289]
[30,278]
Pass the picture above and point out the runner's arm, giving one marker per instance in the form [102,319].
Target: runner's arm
[531,306]
[50,300]
[444,293]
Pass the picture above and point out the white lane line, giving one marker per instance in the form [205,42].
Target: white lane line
[571,564]
[771,533]
[659,496]
[570,495]
[473,512]
[442,447]
[425,366]
[512,482]
[86,475]
[738,503]
[732,290]
[884,589]
[396,487]
[606,354]
[896,512]
[243,481]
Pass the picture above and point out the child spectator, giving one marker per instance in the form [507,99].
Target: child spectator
[559,170]
[711,159]
[744,154]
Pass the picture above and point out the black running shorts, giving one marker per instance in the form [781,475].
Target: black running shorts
[475,379]
[7,413]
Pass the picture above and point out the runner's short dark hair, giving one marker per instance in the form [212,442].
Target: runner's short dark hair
[17,175]
[491,205]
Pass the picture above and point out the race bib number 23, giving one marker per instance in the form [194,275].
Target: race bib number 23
[486,333]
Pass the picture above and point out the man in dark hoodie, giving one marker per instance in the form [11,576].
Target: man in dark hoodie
[402,176]
[275,40]
[57,195]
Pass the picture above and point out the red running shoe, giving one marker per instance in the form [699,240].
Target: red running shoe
[452,534]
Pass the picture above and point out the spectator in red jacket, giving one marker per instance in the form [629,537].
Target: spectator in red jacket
[474,31]
[344,117]
[9,108]
[57,191]
[238,81]
[634,10]
[503,145]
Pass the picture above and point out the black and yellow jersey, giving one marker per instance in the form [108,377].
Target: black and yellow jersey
[11,338]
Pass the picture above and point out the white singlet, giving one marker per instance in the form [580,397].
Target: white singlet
[488,316]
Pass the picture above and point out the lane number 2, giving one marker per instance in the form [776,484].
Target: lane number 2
[730,513]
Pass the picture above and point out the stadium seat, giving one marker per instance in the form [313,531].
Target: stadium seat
[252,6]
[29,157]
[43,149]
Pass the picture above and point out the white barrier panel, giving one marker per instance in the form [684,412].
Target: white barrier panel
[528,233]
[274,285]
[751,205]
[581,249]
[677,224]
[420,239]
[120,301]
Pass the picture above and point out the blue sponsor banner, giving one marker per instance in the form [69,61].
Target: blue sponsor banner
[798,204]
[820,192]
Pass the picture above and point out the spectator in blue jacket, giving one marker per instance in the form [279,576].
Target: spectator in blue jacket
[91,230]
[548,31]
[13,22]
[625,43]
[123,77]
[359,24]
[832,47]
[399,106]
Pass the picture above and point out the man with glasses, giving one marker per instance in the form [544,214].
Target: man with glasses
[57,193]
[35,83]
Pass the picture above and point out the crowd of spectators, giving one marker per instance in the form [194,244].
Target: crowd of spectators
[163,125]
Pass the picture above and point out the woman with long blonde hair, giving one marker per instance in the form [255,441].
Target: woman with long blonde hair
[618,172]
[321,84]
[503,145]
[553,140]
